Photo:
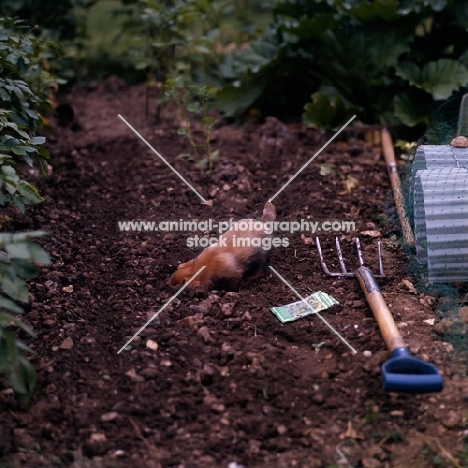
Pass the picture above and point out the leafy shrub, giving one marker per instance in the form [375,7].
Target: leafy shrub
[389,61]
[17,257]
[66,23]
[59,19]
[190,37]
[193,105]
[172,27]
[25,86]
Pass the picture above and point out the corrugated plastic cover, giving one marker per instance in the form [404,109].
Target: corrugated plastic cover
[433,156]
[441,222]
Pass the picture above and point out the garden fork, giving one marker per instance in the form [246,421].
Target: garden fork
[402,372]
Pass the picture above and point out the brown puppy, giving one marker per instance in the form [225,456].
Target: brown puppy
[238,255]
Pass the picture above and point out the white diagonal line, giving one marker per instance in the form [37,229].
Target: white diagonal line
[312,158]
[154,151]
[160,310]
[310,307]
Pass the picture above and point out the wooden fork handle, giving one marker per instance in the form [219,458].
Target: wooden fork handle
[382,313]
[389,155]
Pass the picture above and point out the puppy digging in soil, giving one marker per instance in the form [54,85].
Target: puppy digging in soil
[239,256]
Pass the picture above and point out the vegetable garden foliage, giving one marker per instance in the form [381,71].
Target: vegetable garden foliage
[189,37]
[62,22]
[57,17]
[175,36]
[389,61]
[24,89]
[18,254]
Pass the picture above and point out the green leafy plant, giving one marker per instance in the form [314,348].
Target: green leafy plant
[190,36]
[18,256]
[173,37]
[389,61]
[66,23]
[193,105]
[57,18]
[25,91]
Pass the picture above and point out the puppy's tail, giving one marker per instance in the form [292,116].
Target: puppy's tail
[269,212]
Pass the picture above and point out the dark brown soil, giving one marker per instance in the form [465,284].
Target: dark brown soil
[228,385]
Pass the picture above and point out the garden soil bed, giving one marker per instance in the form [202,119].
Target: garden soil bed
[215,380]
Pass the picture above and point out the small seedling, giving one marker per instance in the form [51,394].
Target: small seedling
[192,103]
[381,219]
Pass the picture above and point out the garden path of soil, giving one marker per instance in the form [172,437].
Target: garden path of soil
[228,384]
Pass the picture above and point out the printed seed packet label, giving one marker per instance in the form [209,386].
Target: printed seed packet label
[316,302]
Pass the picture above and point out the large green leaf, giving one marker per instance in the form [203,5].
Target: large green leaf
[38,140]
[443,77]
[410,72]
[327,110]
[24,268]
[233,101]
[38,254]
[15,288]
[413,107]
[18,250]
[6,238]
[440,78]
[363,52]
[10,305]
[260,54]
[30,194]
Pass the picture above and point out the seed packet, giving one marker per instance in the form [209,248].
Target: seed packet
[317,301]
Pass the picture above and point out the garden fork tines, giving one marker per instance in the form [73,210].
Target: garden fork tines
[344,271]
[402,372]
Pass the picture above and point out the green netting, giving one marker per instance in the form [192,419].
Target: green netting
[450,120]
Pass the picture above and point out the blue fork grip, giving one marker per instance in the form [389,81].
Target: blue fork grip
[406,374]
